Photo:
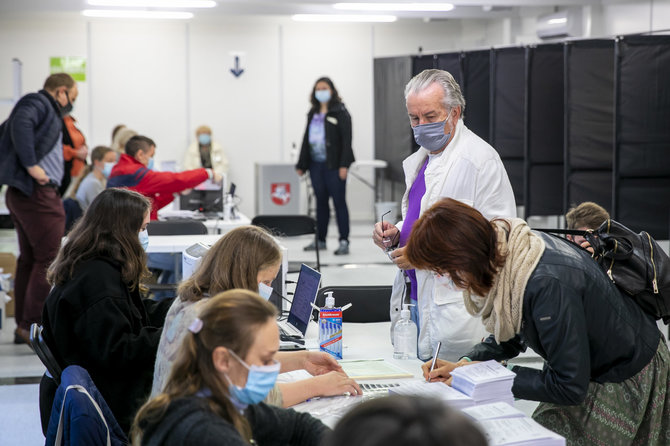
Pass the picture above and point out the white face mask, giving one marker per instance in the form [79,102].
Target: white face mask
[264,291]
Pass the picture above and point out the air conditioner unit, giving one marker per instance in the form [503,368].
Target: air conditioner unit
[565,23]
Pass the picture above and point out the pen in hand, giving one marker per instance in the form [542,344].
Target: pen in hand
[437,352]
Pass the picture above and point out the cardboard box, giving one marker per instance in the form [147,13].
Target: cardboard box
[8,265]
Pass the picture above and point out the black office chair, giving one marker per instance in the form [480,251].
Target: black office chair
[370,303]
[290,226]
[42,350]
[176,227]
[172,227]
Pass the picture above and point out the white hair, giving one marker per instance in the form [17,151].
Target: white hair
[452,92]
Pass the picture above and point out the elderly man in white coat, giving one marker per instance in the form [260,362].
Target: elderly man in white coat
[451,162]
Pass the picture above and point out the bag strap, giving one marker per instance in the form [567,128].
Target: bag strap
[59,432]
[562,231]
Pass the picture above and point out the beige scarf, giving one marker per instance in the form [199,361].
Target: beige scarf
[501,309]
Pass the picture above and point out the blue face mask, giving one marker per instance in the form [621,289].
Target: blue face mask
[144,239]
[107,169]
[260,380]
[150,166]
[431,136]
[264,291]
[204,139]
[322,95]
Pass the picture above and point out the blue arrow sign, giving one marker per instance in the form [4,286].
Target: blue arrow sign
[237,71]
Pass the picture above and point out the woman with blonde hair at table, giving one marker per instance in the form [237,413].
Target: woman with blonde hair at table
[248,258]
[225,367]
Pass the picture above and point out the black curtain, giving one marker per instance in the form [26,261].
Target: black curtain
[544,131]
[451,62]
[420,63]
[476,88]
[393,137]
[507,113]
[642,145]
[589,122]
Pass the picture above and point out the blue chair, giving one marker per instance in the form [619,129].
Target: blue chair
[80,414]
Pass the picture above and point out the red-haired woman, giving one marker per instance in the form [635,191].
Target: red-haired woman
[607,366]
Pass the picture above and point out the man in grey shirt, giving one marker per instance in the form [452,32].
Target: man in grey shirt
[31,164]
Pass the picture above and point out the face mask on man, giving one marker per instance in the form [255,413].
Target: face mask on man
[144,239]
[67,108]
[150,166]
[431,136]
[260,380]
[322,96]
[204,139]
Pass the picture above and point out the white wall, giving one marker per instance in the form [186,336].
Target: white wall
[165,78]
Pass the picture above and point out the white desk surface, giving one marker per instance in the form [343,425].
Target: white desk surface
[178,243]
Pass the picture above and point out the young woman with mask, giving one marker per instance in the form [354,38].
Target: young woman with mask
[226,366]
[246,258]
[95,316]
[95,176]
[607,366]
[326,152]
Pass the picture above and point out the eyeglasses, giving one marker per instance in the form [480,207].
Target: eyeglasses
[389,243]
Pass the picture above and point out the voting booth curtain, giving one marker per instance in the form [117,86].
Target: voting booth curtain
[543,155]
[589,122]
[642,142]
[508,96]
[393,135]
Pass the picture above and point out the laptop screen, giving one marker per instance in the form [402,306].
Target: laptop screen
[304,296]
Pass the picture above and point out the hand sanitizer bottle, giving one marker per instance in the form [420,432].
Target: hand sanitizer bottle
[330,328]
[405,336]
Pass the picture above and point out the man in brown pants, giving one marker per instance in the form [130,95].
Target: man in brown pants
[31,164]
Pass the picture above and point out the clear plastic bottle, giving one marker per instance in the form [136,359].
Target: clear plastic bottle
[330,328]
[405,336]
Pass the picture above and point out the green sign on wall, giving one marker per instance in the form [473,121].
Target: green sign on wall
[75,66]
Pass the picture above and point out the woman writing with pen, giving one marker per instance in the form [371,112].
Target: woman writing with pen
[607,366]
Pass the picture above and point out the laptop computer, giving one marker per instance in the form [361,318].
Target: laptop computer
[295,325]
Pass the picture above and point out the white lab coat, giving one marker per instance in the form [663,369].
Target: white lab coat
[468,170]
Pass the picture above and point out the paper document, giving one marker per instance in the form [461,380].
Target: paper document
[485,382]
[493,411]
[372,369]
[519,432]
[438,390]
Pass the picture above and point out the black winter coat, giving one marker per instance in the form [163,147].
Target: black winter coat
[30,132]
[338,140]
[189,421]
[579,322]
[96,322]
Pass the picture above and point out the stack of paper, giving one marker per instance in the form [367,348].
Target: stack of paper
[493,411]
[439,390]
[519,432]
[484,382]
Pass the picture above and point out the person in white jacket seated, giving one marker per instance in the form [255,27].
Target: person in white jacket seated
[451,162]
[205,152]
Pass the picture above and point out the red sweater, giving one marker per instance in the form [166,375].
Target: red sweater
[159,187]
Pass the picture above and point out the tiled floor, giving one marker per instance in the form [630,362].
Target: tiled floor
[19,416]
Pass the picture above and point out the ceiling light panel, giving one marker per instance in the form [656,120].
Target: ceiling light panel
[343,18]
[154,3]
[136,14]
[421,7]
